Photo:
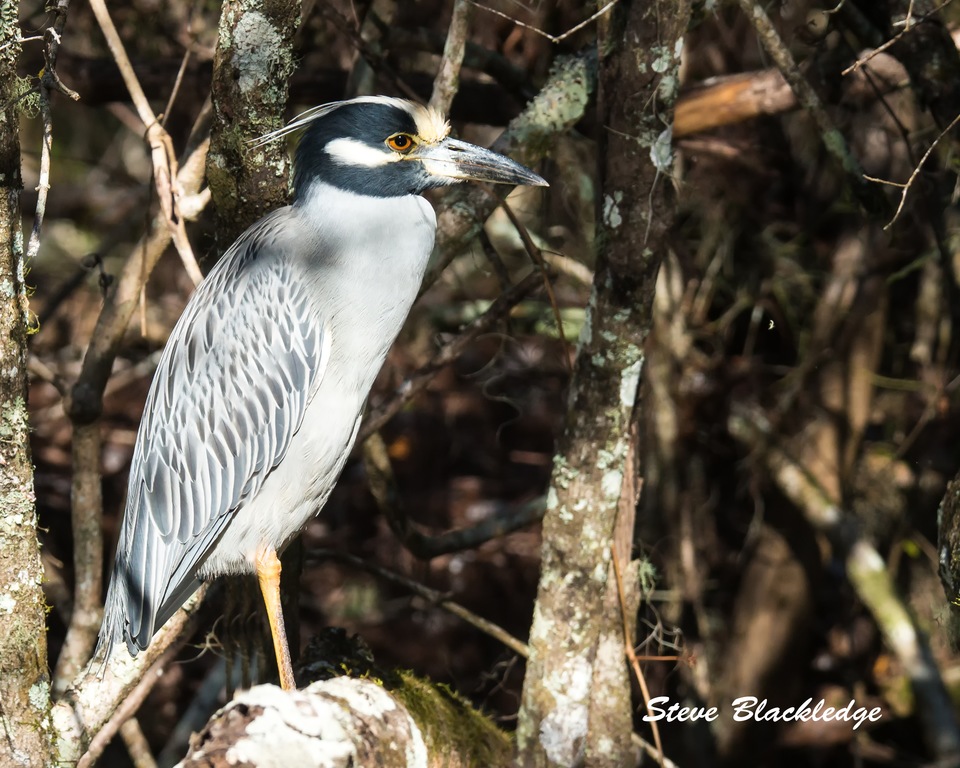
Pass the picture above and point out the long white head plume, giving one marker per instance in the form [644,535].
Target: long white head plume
[431,125]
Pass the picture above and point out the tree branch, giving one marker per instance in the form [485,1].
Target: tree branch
[873,202]
[867,573]
[383,487]
[383,412]
[92,703]
[162,155]
[560,104]
[431,595]
[49,81]
[447,82]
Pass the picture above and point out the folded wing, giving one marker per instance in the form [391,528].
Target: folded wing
[229,394]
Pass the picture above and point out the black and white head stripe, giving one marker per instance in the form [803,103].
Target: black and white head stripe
[384,147]
[345,144]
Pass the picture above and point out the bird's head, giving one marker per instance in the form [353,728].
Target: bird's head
[387,147]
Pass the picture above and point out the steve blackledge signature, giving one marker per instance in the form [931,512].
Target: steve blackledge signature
[759,710]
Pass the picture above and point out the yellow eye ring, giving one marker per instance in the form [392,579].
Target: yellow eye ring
[401,142]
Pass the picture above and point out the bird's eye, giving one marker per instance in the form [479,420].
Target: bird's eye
[400,142]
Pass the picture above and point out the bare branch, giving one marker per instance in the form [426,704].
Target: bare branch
[634,662]
[86,516]
[380,415]
[833,140]
[162,154]
[49,81]
[905,188]
[536,256]
[437,598]
[91,705]
[448,77]
[552,38]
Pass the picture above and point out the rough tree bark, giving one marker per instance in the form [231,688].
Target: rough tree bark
[251,69]
[24,677]
[345,722]
[576,706]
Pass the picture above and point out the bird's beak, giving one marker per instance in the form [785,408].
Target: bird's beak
[459,161]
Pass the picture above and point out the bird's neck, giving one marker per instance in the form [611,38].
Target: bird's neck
[324,199]
[395,232]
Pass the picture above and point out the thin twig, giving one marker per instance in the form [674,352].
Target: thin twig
[162,154]
[174,92]
[536,256]
[49,81]
[415,383]
[651,751]
[447,81]
[905,188]
[20,40]
[833,140]
[512,79]
[542,33]
[383,487]
[499,268]
[431,595]
[907,26]
[632,656]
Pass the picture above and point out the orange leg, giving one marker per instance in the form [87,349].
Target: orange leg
[268,573]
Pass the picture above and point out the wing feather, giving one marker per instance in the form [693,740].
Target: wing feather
[229,394]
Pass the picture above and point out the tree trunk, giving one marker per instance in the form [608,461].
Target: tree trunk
[251,68]
[24,678]
[576,699]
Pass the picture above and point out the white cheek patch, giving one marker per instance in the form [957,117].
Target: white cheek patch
[353,152]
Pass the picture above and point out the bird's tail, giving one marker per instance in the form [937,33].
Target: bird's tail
[114,632]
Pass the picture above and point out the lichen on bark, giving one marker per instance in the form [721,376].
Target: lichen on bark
[252,64]
[576,704]
[24,677]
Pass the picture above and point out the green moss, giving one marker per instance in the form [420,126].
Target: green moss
[27,97]
[223,186]
[451,727]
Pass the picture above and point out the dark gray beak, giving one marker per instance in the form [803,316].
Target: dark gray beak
[458,160]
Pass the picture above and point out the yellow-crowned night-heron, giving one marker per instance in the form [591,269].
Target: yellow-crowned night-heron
[256,402]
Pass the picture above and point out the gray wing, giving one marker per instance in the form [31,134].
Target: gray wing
[229,394]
